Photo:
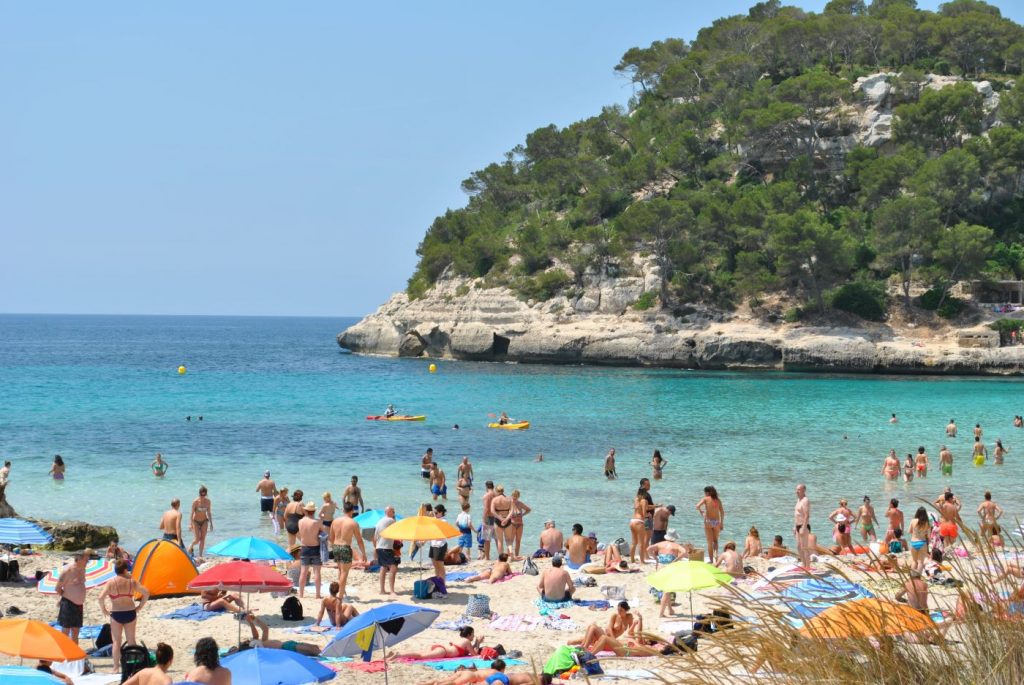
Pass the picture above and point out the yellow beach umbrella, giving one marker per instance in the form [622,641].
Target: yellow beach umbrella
[862,618]
[687,576]
[420,528]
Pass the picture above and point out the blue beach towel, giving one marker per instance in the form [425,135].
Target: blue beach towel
[456,576]
[453,664]
[193,612]
[592,603]
[84,633]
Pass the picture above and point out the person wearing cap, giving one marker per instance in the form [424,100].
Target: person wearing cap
[661,515]
[914,592]
[309,538]
[267,489]
[551,540]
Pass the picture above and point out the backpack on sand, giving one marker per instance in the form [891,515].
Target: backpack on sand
[291,609]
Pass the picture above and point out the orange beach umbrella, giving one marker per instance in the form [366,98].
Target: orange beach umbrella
[420,528]
[30,639]
[871,617]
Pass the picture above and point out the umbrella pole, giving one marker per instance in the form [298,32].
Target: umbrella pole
[385,648]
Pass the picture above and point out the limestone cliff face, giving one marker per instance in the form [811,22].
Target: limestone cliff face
[600,326]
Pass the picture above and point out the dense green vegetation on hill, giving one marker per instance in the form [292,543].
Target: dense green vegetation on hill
[725,171]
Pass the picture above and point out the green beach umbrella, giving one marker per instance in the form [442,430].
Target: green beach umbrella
[687,576]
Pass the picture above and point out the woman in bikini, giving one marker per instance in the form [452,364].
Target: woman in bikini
[891,466]
[280,502]
[338,613]
[636,526]
[121,591]
[908,469]
[515,516]
[921,463]
[57,470]
[201,521]
[710,507]
[501,506]
[999,451]
[920,529]
[159,466]
[293,513]
[464,646]
[657,465]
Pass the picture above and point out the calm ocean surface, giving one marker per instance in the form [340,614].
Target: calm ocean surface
[277,393]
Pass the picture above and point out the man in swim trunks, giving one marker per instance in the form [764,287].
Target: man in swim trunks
[867,520]
[980,451]
[951,429]
[555,584]
[577,547]
[977,431]
[71,593]
[385,549]
[170,523]
[989,513]
[425,463]
[309,538]
[438,486]
[343,530]
[802,525]
[661,515]
[945,461]
[777,549]
[949,510]
[487,529]
[267,489]
[551,540]
[609,465]
[354,495]
[465,470]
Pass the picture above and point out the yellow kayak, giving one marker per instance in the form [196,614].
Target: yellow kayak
[522,425]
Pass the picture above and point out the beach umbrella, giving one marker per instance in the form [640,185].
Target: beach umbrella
[368,521]
[275,667]
[687,576]
[28,639]
[382,627]
[252,548]
[26,675]
[864,618]
[419,529]
[97,572]
[788,575]
[14,531]
[241,576]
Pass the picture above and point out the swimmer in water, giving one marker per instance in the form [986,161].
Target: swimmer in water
[891,466]
[977,430]
[540,457]
[999,451]
[159,466]
[908,469]
[951,429]
[57,470]
[921,463]
[1018,421]
[945,461]
[893,419]
[980,451]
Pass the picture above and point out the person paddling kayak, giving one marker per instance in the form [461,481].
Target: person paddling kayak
[390,411]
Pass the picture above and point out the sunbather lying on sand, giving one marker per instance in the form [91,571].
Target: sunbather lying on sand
[500,569]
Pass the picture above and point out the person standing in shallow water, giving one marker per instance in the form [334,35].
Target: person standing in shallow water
[802,525]
[609,465]
[159,466]
[657,465]
[58,468]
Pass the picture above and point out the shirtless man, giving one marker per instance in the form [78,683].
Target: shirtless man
[661,515]
[343,530]
[618,623]
[609,465]
[71,594]
[354,495]
[730,561]
[776,550]
[170,523]
[989,513]
[487,529]
[555,584]
[949,510]
[867,520]
[896,520]
[425,464]
[945,461]
[577,548]
[500,569]
[802,525]
[977,431]
[309,539]
[891,466]
[267,489]
[980,451]
[465,470]
[438,485]
[551,539]
[951,429]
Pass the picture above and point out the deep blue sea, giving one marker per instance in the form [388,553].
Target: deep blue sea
[277,393]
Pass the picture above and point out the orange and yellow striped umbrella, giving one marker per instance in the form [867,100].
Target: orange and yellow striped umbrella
[871,617]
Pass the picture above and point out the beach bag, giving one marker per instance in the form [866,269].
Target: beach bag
[422,589]
[291,609]
[134,658]
[489,653]
[479,606]
[588,663]
[4,571]
[530,568]
[614,593]
[623,546]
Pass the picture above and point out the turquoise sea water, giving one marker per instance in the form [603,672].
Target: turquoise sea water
[277,393]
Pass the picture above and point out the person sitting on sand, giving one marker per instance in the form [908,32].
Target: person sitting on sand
[777,549]
[551,540]
[618,623]
[261,639]
[500,570]
[577,548]
[730,561]
[208,669]
[669,550]
[914,592]
[156,675]
[338,613]
[555,584]
[220,600]
[752,545]
[463,646]
[46,666]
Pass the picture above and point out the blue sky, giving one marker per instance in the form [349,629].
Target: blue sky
[276,158]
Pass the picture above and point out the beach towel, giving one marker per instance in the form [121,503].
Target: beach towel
[621,674]
[193,612]
[516,623]
[507,578]
[84,633]
[367,666]
[97,679]
[453,664]
[673,627]
[546,606]
[457,624]
[309,629]
[812,596]
[592,603]
[564,625]
[456,576]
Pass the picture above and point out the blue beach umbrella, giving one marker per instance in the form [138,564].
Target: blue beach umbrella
[369,519]
[248,547]
[26,675]
[275,667]
[382,627]
[15,531]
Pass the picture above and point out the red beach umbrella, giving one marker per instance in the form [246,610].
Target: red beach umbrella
[241,576]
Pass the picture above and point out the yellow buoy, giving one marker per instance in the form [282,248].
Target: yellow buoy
[181,370]
[432,368]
